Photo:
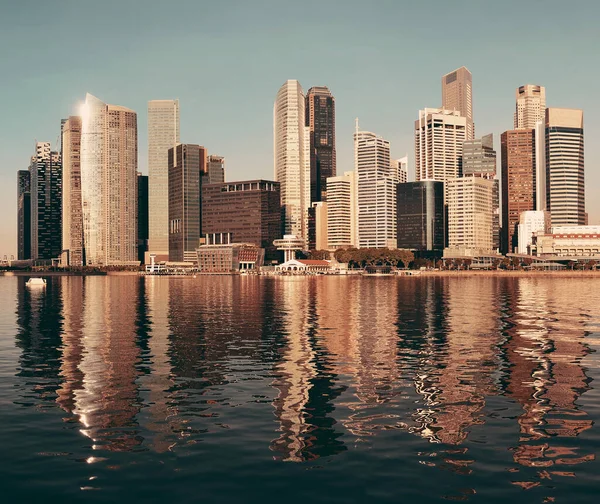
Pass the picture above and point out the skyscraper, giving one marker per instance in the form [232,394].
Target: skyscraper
[215,166]
[342,224]
[72,210]
[420,215]
[23,215]
[530,106]
[479,157]
[518,182]
[187,164]
[439,137]
[376,192]
[46,207]
[109,183]
[457,94]
[291,159]
[142,216]
[565,178]
[163,134]
[470,213]
[400,169]
[320,120]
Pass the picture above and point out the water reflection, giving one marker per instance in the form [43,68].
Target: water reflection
[310,368]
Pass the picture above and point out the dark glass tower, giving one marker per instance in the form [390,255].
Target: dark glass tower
[23,215]
[46,203]
[187,164]
[420,216]
[320,119]
[142,216]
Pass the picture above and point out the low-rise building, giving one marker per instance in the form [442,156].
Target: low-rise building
[574,242]
[229,258]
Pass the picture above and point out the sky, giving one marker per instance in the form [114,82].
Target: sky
[383,61]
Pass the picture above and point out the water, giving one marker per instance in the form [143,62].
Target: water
[333,389]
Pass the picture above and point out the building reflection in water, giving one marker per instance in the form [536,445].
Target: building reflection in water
[304,379]
[107,401]
[545,348]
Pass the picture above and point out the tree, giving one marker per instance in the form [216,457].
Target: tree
[323,255]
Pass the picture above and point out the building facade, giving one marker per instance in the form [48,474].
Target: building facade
[320,120]
[439,137]
[565,177]
[142,216]
[457,94]
[400,169]
[471,213]
[163,134]
[229,258]
[72,209]
[109,183]
[479,157]
[574,242]
[342,211]
[187,164]
[420,216]
[215,166]
[291,156]
[317,226]
[518,182]
[530,106]
[46,203]
[243,212]
[531,222]
[23,215]
[376,191]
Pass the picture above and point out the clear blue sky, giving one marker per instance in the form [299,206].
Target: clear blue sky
[225,60]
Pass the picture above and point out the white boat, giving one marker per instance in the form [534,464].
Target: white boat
[36,282]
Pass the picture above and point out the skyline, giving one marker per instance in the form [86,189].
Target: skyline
[377,72]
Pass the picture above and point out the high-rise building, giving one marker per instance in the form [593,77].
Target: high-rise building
[420,215]
[376,191]
[291,157]
[215,166]
[518,182]
[539,135]
[72,209]
[530,106]
[457,94]
[23,214]
[46,203]
[109,183]
[187,164]
[565,178]
[163,134]
[142,216]
[248,211]
[479,157]
[342,212]
[439,137]
[470,213]
[400,169]
[531,221]
[320,120]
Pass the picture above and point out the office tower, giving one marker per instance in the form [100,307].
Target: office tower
[163,134]
[470,213]
[457,94]
[479,157]
[439,137]
[539,137]
[142,216]
[376,192]
[399,169]
[248,211]
[72,210]
[109,183]
[187,164]
[420,215]
[565,179]
[46,203]
[530,106]
[342,213]
[23,214]
[518,182]
[531,221]
[215,166]
[291,157]
[320,120]
[317,226]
